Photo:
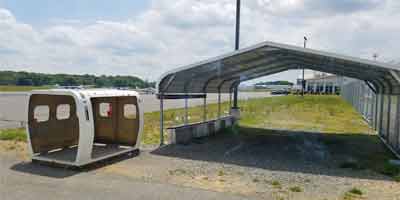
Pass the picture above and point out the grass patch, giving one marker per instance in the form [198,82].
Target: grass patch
[318,113]
[221,173]
[356,191]
[296,189]
[256,180]
[328,114]
[177,172]
[397,178]
[276,184]
[13,134]
[15,88]
[390,170]
[353,193]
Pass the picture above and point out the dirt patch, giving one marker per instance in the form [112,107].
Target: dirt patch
[20,149]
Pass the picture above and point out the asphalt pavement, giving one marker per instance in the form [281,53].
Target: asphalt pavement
[27,181]
[14,106]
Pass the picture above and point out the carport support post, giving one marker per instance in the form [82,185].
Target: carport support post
[186,110]
[205,109]
[230,101]
[237,44]
[219,104]
[376,111]
[381,113]
[235,97]
[161,119]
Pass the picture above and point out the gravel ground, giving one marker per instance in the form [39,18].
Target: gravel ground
[20,179]
[281,165]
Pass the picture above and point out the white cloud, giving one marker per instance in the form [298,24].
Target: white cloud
[174,33]
[6,16]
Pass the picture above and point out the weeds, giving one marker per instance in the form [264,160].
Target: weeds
[221,173]
[356,191]
[13,134]
[295,189]
[276,184]
[177,172]
[397,178]
[390,170]
[256,180]
[353,193]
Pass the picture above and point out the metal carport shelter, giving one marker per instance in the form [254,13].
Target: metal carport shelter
[224,73]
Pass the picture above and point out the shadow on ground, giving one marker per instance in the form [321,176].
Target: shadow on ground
[343,155]
[62,171]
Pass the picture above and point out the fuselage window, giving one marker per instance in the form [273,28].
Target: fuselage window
[41,113]
[130,111]
[63,111]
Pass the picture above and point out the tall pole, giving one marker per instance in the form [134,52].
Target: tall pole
[302,80]
[237,43]
[237,37]
[161,119]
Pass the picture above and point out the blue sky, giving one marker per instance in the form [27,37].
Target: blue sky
[147,38]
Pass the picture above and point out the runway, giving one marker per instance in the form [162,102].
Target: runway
[14,105]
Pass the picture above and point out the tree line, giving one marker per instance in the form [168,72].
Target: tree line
[41,79]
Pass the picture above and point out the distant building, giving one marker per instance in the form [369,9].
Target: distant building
[324,84]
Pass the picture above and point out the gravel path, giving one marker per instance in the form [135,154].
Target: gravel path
[280,165]
[21,179]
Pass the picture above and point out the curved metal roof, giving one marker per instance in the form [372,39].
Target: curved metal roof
[222,73]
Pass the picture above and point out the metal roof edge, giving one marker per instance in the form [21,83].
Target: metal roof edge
[281,46]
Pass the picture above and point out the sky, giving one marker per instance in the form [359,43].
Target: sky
[147,38]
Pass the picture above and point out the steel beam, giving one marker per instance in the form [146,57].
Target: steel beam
[161,120]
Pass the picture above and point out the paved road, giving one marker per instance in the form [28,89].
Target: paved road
[24,180]
[13,106]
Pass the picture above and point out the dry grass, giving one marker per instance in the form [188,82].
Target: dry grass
[328,114]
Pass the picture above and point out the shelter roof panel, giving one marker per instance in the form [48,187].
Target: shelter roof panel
[223,72]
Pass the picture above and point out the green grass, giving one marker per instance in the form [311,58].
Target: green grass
[13,134]
[295,189]
[356,191]
[328,114]
[353,193]
[276,184]
[397,178]
[14,88]
[390,170]
[221,173]
[316,113]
